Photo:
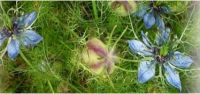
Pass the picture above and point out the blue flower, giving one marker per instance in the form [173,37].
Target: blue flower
[151,14]
[160,55]
[20,33]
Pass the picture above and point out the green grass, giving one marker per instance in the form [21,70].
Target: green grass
[56,65]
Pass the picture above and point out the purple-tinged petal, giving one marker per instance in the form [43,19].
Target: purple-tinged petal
[146,71]
[146,40]
[30,38]
[181,61]
[13,49]
[97,65]
[139,48]
[27,20]
[172,76]
[149,20]
[98,47]
[160,23]
[109,66]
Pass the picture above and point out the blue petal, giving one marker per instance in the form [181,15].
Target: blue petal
[149,20]
[180,60]
[172,76]
[141,11]
[160,23]
[146,40]
[146,71]
[2,38]
[30,38]
[163,36]
[139,48]
[27,20]
[13,49]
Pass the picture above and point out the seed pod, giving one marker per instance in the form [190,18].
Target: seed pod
[123,8]
[97,57]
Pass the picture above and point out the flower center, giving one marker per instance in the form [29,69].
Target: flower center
[6,32]
[9,32]
[158,57]
[156,8]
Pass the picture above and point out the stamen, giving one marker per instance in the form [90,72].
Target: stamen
[6,32]
[160,59]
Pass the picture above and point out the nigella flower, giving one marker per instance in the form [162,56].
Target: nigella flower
[123,8]
[151,14]
[98,57]
[160,55]
[20,33]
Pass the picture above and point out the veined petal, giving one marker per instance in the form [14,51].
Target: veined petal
[30,38]
[146,40]
[27,20]
[149,20]
[146,71]
[160,23]
[2,38]
[163,36]
[180,60]
[13,49]
[172,76]
[139,48]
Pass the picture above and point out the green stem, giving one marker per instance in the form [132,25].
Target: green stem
[110,37]
[111,83]
[119,38]
[160,75]
[94,9]
[160,71]
[2,7]
[186,25]
[72,86]
[28,63]
[49,83]
[132,27]
[26,60]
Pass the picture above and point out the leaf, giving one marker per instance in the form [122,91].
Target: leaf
[172,76]
[139,48]
[180,60]
[149,20]
[146,71]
